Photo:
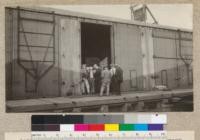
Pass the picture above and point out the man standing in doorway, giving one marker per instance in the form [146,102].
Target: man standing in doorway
[119,79]
[113,79]
[106,78]
[97,78]
[91,80]
[84,81]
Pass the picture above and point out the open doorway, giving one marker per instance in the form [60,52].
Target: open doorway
[95,44]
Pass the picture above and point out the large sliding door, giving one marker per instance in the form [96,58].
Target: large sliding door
[128,54]
[70,56]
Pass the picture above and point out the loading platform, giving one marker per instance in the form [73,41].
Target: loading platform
[127,102]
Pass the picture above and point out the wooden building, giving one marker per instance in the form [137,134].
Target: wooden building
[46,47]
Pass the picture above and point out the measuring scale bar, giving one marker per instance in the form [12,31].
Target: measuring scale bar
[171,135]
[137,135]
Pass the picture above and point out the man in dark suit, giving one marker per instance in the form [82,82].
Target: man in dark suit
[119,79]
[113,79]
[97,78]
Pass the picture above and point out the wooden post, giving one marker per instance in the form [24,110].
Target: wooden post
[175,99]
[139,106]
[125,107]
[58,111]
[104,108]
[163,105]
[76,109]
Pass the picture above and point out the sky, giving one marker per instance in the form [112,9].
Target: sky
[177,15]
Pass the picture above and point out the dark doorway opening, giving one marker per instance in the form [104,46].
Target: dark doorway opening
[95,44]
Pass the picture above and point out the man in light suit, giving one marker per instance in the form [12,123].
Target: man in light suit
[84,82]
[106,79]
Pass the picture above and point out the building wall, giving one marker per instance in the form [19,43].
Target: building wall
[167,58]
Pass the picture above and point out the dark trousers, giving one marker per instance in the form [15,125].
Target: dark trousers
[118,88]
[97,84]
[92,85]
[113,88]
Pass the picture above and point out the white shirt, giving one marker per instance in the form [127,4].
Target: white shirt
[91,72]
[113,71]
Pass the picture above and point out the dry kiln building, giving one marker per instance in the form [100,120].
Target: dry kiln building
[46,47]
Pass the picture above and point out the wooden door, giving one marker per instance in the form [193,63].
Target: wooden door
[70,57]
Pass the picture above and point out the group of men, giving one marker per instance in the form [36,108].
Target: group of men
[97,80]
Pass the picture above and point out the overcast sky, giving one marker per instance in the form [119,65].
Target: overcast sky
[177,15]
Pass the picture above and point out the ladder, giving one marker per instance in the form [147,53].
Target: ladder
[32,55]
